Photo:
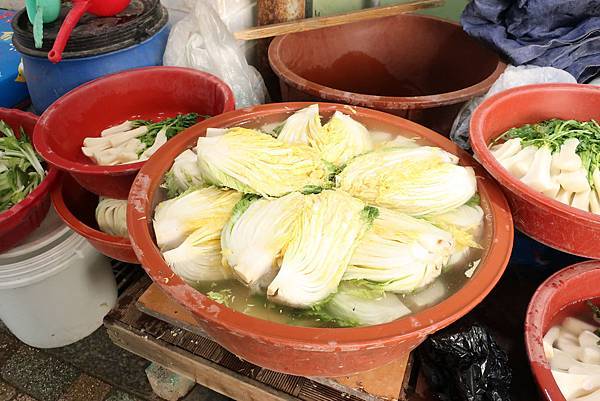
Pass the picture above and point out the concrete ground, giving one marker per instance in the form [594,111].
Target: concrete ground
[93,369]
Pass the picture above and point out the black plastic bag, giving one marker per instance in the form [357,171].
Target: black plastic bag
[466,366]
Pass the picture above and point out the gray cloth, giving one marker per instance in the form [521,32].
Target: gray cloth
[563,34]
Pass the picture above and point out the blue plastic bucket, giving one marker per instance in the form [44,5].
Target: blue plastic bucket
[47,82]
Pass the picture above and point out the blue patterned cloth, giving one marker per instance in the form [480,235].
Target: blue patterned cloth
[563,34]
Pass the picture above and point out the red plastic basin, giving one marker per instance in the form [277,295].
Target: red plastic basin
[77,207]
[153,92]
[542,218]
[552,301]
[315,351]
[23,218]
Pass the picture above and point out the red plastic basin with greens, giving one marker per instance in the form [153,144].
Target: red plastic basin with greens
[542,218]
[148,93]
[23,218]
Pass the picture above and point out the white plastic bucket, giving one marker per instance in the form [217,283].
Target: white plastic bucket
[55,289]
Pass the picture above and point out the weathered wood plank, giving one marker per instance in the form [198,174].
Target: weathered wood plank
[384,383]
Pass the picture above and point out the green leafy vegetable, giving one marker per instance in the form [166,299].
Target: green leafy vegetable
[595,309]
[20,168]
[474,201]
[172,125]
[224,296]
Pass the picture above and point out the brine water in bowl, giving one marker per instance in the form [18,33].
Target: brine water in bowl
[321,222]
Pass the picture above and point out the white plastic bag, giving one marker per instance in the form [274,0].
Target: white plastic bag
[510,78]
[202,41]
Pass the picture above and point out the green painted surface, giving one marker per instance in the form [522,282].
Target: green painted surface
[451,9]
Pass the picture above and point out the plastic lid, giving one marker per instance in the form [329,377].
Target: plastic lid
[94,35]
[47,234]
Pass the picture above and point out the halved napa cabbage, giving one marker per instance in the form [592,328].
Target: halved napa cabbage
[198,258]
[254,239]
[418,181]
[341,139]
[177,218]
[352,306]
[301,126]
[253,162]
[331,223]
[465,223]
[184,174]
[399,253]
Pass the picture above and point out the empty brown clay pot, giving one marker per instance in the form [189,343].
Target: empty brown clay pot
[315,351]
[418,67]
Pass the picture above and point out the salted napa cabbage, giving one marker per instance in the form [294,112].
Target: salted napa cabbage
[198,258]
[341,139]
[351,305]
[465,223]
[418,181]
[175,219]
[111,215]
[400,253]
[184,174]
[255,237]
[301,126]
[331,223]
[253,162]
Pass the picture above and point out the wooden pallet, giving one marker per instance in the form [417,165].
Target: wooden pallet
[149,324]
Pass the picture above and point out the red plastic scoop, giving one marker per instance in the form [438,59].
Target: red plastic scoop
[101,8]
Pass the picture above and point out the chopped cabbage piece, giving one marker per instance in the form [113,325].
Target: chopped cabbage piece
[418,181]
[177,218]
[400,253]
[465,223]
[301,126]
[184,174]
[198,258]
[253,162]
[341,139]
[331,223]
[255,237]
[349,305]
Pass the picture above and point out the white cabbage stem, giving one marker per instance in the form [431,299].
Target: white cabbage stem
[519,164]
[507,149]
[568,159]
[574,181]
[538,176]
[124,126]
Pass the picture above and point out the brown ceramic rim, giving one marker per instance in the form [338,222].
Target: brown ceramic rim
[78,226]
[474,290]
[380,102]
[536,311]
[485,157]
[44,148]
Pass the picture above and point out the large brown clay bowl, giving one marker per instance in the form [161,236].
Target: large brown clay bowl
[315,351]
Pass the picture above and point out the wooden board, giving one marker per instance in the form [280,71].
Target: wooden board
[308,24]
[184,350]
[385,383]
